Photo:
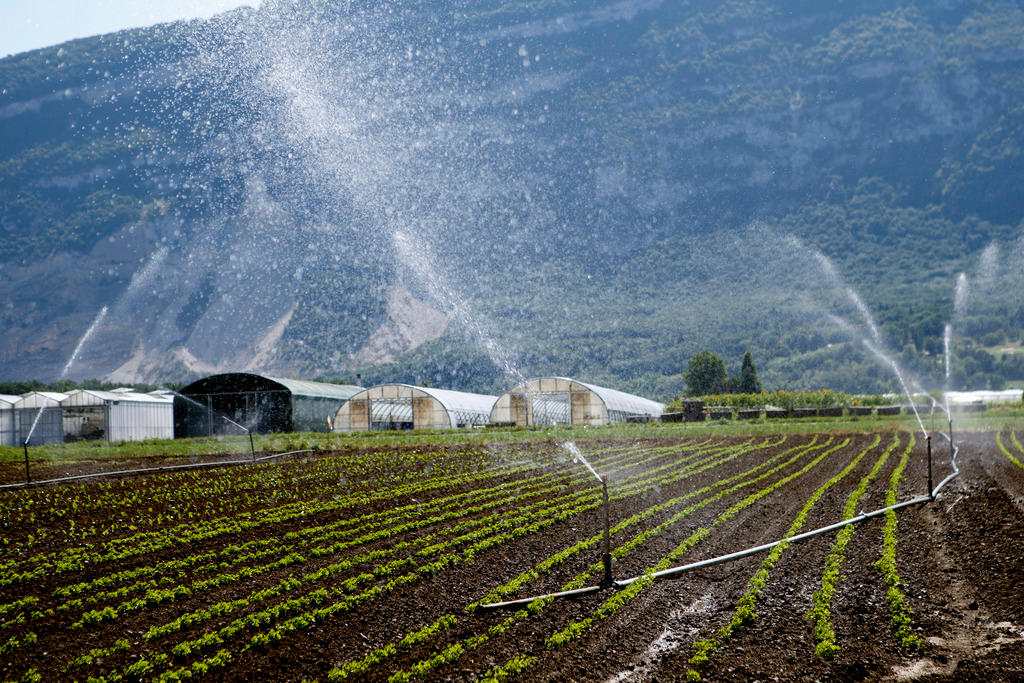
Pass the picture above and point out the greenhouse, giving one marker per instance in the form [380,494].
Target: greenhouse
[38,415]
[564,401]
[236,402]
[402,406]
[7,419]
[116,416]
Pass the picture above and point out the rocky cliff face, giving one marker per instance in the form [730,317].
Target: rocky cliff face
[233,190]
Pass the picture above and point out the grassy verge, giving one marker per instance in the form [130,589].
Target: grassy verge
[1002,416]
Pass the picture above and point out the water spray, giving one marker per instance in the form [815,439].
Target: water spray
[252,445]
[97,321]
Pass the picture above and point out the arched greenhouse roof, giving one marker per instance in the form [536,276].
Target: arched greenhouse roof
[563,400]
[247,381]
[626,403]
[95,397]
[394,403]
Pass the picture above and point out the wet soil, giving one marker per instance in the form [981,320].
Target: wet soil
[960,560]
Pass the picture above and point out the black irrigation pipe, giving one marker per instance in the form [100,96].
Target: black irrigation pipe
[675,572]
[147,470]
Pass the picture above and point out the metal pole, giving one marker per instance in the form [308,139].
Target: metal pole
[28,479]
[951,454]
[252,447]
[929,465]
[607,581]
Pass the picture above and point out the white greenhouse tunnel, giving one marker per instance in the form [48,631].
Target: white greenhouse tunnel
[565,401]
[403,406]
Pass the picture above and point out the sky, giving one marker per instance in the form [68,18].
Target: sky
[30,24]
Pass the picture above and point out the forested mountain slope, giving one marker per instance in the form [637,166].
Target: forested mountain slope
[590,188]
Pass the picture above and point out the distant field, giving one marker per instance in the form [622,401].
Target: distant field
[97,455]
[368,560]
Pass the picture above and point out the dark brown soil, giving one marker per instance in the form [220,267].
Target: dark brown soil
[960,560]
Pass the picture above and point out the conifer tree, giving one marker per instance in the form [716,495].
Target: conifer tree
[749,383]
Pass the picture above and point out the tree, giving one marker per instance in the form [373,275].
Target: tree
[705,373]
[749,383]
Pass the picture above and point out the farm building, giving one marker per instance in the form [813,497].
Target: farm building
[116,416]
[258,403]
[402,406]
[564,401]
[7,419]
[38,414]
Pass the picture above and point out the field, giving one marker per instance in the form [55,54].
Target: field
[372,562]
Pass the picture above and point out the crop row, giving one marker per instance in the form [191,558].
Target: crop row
[317,599]
[744,613]
[154,595]
[457,649]
[821,611]
[621,598]
[886,564]
[223,491]
[319,611]
[306,562]
[437,566]
[616,602]
[255,487]
[76,557]
[1006,452]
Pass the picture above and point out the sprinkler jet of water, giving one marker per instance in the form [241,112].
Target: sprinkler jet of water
[899,375]
[97,321]
[959,310]
[884,358]
[415,254]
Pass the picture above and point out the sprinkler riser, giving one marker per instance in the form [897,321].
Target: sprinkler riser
[929,439]
[607,580]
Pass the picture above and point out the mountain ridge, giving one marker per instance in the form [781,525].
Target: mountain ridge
[204,178]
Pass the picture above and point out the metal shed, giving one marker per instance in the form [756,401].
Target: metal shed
[7,433]
[259,403]
[38,413]
[565,401]
[403,406]
[116,416]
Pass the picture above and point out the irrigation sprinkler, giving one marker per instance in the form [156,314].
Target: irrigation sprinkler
[252,447]
[606,581]
[949,413]
[32,429]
